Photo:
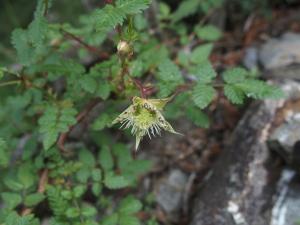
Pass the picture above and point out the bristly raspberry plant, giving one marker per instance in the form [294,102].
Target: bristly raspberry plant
[52,166]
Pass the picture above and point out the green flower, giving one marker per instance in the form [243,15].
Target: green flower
[144,117]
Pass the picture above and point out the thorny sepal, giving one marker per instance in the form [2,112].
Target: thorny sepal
[144,117]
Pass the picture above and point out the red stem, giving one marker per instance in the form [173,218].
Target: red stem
[88,47]
[140,86]
[62,138]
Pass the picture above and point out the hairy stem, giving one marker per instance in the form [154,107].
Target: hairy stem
[12,82]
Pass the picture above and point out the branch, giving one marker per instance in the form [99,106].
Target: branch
[11,82]
[41,189]
[46,7]
[88,47]
[62,138]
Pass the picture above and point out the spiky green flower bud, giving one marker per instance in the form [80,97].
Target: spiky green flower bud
[144,117]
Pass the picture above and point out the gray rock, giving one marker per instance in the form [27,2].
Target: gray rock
[284,137]
[281,52]
[288,72]
[287,205]
[251,58]
[291,89]
[169,194]
[240,191]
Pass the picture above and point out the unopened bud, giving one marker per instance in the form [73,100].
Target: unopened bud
[124,48]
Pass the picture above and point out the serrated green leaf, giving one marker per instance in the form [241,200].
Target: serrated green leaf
[197,117]
[104,120]
[168,71]
[259,89]
[87,158]
[4,156]
[202,95]
[110,220]
[103,89]
[67,194]
[26,175]
[205,72]
[164,10]
[79,190]
[208,33]
[128,220]
[56,201]
[105,158]
[113,181]
[88,84]
[169,77]
[56,119]
[235,75]
[11,199]
[166,88]
[37,31]
[33,199]
[25,51]
[13,184]
[72,212]
[130,205]
[83,174]
[112,15]
[136,68]
[140,22]
[88,211]
[96,174]
[186,8]
[14,219]
[123,155]
[96,189]
[234,94]
[103,69]
[153,55]
[30,43]
[42,7]
[207,5]
[201,53]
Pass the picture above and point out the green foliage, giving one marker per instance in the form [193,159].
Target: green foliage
[169,76]
[185,9]
[234,94]
[205,73]
[113,181]
[124,213]
[105,158]
[198,117]
[190,7]
[112,15]
[14,219]
[56,201]
[201,53]
[11,199]
[30,43]
[57,118]
[208,33]
[33,199]
[4,157]
[202,95]
[72,83]
[240,84]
